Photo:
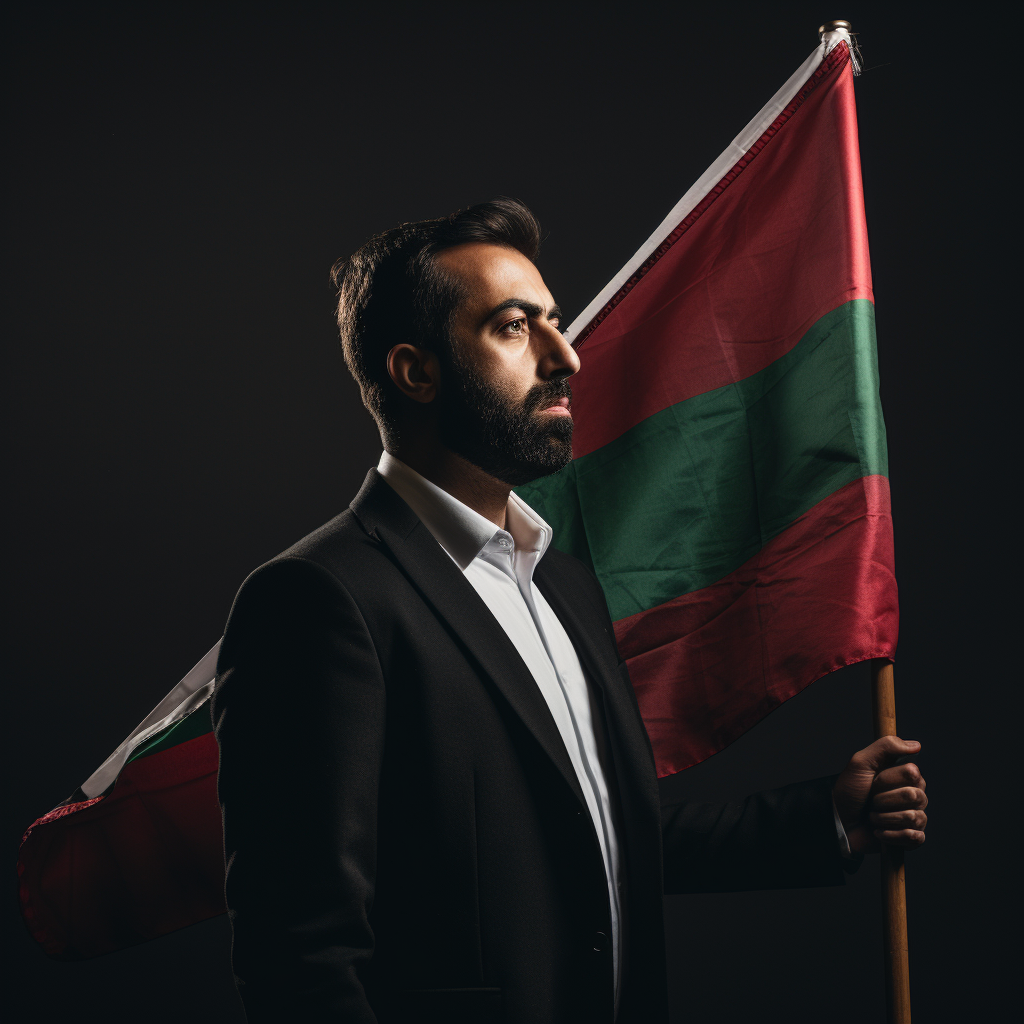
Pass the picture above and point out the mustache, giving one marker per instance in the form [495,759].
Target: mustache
[548,393]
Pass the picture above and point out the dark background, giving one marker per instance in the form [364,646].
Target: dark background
[181,180]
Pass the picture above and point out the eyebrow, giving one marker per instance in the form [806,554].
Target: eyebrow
[531,309]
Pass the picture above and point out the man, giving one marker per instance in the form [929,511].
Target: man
[460,817]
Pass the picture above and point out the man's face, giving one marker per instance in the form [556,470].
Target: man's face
[504,404]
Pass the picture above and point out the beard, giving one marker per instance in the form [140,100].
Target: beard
[501,435]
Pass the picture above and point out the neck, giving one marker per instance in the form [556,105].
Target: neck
[461,479]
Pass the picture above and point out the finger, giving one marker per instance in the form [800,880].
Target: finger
[902,775]
[908,838]
[903,799]
[885,752]
[895,820]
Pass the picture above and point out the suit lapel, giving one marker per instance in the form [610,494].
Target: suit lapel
[384,515]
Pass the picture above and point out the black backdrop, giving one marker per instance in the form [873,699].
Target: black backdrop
[180,181]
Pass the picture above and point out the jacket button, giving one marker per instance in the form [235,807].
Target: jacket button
[600,942]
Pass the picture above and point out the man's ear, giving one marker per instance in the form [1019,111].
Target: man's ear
[416,371]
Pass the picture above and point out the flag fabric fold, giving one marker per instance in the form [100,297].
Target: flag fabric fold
[137,850]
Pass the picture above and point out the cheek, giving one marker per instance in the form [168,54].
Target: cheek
[512,373]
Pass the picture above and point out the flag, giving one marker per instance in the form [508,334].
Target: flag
[728,488]
[729,482]
[137,851]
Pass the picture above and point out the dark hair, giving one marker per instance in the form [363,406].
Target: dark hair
[391,290]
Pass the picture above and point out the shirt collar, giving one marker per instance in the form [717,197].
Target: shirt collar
[461,531]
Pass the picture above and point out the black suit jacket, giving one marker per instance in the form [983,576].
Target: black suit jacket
[405,837]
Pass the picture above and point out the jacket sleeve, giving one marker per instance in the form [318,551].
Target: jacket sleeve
[298,712]
[779,839]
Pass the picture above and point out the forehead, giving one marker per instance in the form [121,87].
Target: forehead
[491,274]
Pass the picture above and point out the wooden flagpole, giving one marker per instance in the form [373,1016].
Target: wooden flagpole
[894,894]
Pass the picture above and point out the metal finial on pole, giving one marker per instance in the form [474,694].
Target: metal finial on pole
[843,30]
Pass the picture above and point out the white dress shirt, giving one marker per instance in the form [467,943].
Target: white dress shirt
[499,564]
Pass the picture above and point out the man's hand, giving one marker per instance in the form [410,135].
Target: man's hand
[880,801]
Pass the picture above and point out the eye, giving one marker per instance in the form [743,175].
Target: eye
[515,327]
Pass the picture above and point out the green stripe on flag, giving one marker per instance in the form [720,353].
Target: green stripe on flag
[192,725]
[695,490]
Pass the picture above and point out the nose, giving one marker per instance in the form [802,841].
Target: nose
[558,358]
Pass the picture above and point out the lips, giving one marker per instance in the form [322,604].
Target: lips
[554,397]
[561,407]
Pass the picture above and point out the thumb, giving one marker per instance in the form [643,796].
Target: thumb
[885,752]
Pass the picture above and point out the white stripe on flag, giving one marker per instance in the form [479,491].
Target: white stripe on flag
[192,691]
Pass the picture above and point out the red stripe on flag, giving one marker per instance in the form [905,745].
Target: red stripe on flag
[709,665]
[143,861]
[777,244]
